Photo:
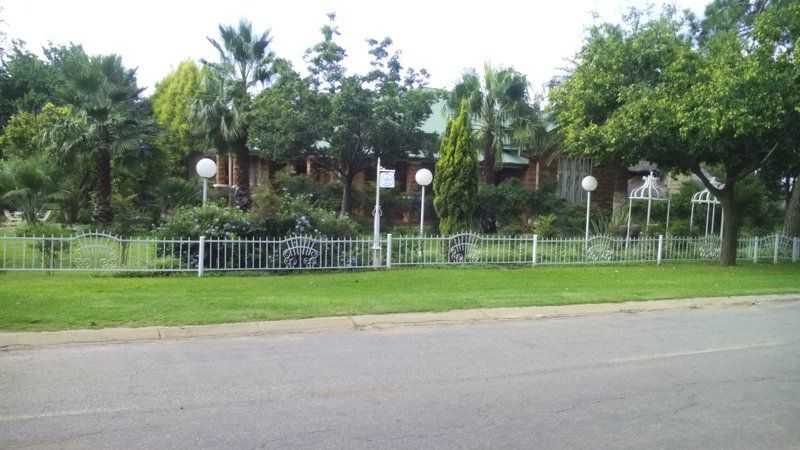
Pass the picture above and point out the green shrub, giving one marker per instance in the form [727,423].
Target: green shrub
[501,206]
[545,226]
[211,221]
[281,216]
[327,196]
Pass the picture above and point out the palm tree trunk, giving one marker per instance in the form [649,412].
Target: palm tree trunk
[241,197]
[489,171]
[791,223]
[102,213]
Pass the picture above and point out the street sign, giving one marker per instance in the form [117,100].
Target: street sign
[386,178]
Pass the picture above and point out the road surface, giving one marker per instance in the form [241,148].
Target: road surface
[702,378]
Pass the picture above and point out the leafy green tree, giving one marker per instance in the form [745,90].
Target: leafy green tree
[645,92]
[501,111]
[27,82]
[344,123]
[171,106]
[222,111]
[24,132]
[105,123]
[456,182]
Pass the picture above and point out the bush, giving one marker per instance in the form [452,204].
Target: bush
[280,216]
[211,221]
[501,205]
[327,196]
[49,249]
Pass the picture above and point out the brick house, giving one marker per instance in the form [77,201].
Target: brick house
[565,172]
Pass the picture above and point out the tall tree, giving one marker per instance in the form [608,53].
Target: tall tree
[501,110]
[105,123]
[172,102]
[344,123]
[456,182]
[645,92]
[222,110]
[27,82]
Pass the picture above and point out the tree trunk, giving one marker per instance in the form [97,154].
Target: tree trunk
[347,183]
[619,203]
[488,171]
[241,196]
[730,235]
[791,223]
[102,213]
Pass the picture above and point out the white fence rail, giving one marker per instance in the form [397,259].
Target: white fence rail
[100,252]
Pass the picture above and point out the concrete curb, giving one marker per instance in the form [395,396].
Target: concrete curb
[365,322]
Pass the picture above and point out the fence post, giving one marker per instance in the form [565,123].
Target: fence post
[795,249]
[389,251]
[755,249]
[775,253]
[660,249]
[535,247]
[201,256]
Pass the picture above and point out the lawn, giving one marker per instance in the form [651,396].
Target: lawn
[36,301]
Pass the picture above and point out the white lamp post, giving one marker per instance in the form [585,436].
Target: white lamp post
[424,178]
[588,184]
[206,168]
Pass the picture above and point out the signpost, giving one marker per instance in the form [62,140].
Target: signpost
[384,179]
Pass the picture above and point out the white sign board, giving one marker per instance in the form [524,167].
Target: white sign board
[386,179]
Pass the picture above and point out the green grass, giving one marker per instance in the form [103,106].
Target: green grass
[36,301]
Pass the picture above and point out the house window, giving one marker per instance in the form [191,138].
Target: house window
[571,172]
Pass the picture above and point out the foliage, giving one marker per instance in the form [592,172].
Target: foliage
[27,83]
[222,111]
[30,186]
[171,107]
[23,134]
[344,123]
[324,195]
[105,125]
[545,200]
[211,221]
[129,217]
[283,215]
[645,92]
[169,194]
[502,113]
[501,205]
[456,182]
[545,226]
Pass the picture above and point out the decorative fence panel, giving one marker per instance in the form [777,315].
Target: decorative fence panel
[101,252]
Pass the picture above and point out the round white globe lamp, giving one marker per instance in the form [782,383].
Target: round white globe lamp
[424,178]
[206,168]
[588,184]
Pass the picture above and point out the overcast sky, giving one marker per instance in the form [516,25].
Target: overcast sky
[535,37]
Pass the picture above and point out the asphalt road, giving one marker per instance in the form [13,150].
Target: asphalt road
[704,378]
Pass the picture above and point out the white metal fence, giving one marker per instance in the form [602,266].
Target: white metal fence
[101,252]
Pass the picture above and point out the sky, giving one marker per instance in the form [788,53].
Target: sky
[445,37]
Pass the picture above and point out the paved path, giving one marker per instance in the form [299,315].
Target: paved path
[699,378]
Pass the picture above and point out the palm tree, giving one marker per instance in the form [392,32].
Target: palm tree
[30,185]
[501,113]
[105,121]
[222,110]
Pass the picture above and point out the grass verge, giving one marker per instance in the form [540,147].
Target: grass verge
[34,301]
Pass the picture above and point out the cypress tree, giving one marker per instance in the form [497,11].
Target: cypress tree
[456,182]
